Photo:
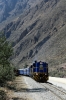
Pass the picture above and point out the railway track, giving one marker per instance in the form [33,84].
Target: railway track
[61,95]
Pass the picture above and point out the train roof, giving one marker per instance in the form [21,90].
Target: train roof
[21,69]
[24,68]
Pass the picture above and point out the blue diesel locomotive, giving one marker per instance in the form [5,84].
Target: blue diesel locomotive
[38,71]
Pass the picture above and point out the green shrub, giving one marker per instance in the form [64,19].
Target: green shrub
[6,69]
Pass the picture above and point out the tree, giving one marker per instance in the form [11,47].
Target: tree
[6,51]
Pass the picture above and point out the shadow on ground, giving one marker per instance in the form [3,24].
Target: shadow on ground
[31,90]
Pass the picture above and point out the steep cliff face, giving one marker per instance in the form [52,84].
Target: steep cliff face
[38,33]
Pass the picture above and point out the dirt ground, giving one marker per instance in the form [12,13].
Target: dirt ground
[18,90]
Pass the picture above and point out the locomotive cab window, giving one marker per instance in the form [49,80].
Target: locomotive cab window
[41,67]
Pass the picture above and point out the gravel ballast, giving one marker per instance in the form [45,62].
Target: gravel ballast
[29,89]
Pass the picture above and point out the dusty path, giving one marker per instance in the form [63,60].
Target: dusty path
[20,91]
[61,82]
[28,89]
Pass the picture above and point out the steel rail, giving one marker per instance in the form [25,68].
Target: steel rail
[53,90]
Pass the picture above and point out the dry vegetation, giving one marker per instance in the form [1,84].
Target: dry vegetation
[17,90]
[14,90]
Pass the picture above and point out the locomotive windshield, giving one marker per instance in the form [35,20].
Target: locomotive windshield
[41,67]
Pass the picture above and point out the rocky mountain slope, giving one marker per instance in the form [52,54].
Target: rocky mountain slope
[9,8]
[38,33]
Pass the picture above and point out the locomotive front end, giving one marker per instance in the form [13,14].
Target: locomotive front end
[40,71]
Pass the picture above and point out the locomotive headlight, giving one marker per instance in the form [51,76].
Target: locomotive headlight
[36,73]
